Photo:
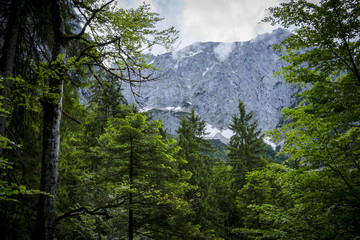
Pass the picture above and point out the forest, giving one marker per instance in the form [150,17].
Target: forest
[78,162]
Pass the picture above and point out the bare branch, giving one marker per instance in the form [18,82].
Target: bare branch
[71,117]
[88,21]
[83,210]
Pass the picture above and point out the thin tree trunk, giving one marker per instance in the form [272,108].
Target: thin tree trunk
[131,212]
[8,57]
[45,228]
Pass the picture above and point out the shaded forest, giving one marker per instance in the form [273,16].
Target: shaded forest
[95,167]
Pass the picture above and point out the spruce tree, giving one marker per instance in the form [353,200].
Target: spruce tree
[129,177]
[246,146]
[245,151]
[196,151]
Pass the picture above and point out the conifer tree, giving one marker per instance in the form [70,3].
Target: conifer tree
[245,152]
[59,36]
[195,150]
[130,176]
[246,146]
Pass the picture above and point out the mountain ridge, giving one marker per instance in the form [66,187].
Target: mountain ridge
[212,76]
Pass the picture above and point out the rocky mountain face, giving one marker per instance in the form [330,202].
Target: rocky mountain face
[211,77]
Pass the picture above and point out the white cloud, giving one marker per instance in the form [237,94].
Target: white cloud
[134,3]
[210,20]
[223,50]
[226,20]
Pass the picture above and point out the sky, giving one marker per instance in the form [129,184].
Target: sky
[211,20]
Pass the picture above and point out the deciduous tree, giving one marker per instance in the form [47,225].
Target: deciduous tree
[323,136]
[112,39]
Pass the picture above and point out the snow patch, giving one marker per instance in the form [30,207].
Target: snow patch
[227,133]
[176,109]
[193,53]
[223,50]
[208,69]
[211,131]
[145,109]
[214,133]
[267,140]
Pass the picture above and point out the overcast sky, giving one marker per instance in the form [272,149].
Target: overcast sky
[211,20]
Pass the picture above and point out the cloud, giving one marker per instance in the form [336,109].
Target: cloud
[129,3]
[226,20]
[223,50]
[170,11]
[210,20]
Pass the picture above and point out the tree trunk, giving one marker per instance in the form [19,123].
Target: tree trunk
[8,57]
[45,228]
[131,211]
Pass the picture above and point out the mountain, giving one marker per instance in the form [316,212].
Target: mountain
[212,76]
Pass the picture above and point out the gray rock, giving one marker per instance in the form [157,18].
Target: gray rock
[211,77]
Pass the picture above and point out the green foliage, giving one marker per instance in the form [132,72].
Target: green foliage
[281,203]
[197,152]
[120,36]
[263,189]
[130,160]
[145,163]
[246,147]
[107,51]
[16,193]
[323,135]
[8,190]
[23,94]
[272,155]
[246,152]
[18,161]
[119,174]
[220,149]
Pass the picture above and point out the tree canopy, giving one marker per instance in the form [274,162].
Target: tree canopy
[78,162]
[323,136]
